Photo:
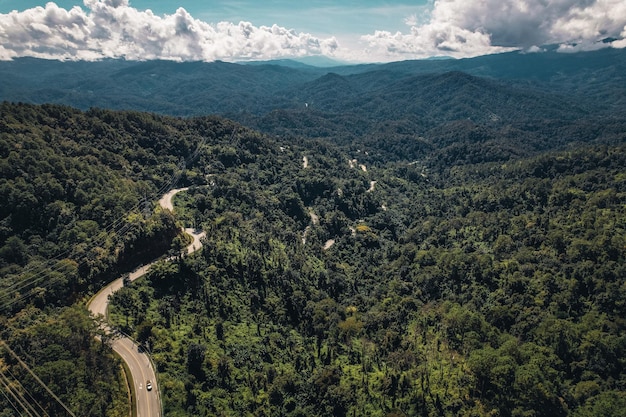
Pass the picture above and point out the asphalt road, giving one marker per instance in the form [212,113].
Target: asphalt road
[166,200]
[141,369]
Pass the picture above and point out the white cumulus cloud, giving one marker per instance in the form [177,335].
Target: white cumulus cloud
[459,28]
[114,29]
[463,28]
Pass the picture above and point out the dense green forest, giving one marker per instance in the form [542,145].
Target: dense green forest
[78,192]
[487,289]
[375,262]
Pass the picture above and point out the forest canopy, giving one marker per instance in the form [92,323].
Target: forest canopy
[379,263]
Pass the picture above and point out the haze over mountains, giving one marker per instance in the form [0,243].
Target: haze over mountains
[511,96]
[593,82]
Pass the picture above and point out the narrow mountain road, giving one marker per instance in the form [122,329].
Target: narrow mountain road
[147,402]
[166,200]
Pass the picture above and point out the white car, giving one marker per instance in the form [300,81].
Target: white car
[149,386]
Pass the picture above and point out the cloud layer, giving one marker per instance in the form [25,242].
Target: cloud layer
[459,28]
[464,28]
[113,29]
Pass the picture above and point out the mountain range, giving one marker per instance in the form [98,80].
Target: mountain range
[427,238]
[515,97]
[589,81]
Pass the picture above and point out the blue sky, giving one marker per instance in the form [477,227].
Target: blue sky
[356,31]
[318,17]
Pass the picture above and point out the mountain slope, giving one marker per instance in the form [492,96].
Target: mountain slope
[442,97]
[477,272]
[593,80]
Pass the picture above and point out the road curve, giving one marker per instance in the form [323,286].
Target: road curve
[166,200]
[147,402]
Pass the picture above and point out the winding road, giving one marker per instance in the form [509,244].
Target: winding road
[147,402]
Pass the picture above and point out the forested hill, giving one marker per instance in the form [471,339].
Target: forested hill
[592,81]
[78,193]
[490,107]
[479,271]
[78,184]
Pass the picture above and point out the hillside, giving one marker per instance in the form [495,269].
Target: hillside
[593,81]
[524,103]
[478,271]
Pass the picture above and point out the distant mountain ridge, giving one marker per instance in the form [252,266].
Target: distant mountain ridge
[511,97]
[302,62]
[198,88]
[434,97]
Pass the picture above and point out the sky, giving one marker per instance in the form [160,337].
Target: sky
[348,31]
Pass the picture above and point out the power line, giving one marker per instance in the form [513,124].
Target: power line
[32,399]
[48,390]
[42,272]
[17,396]
[46,272]
[7,397]
[114,224]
